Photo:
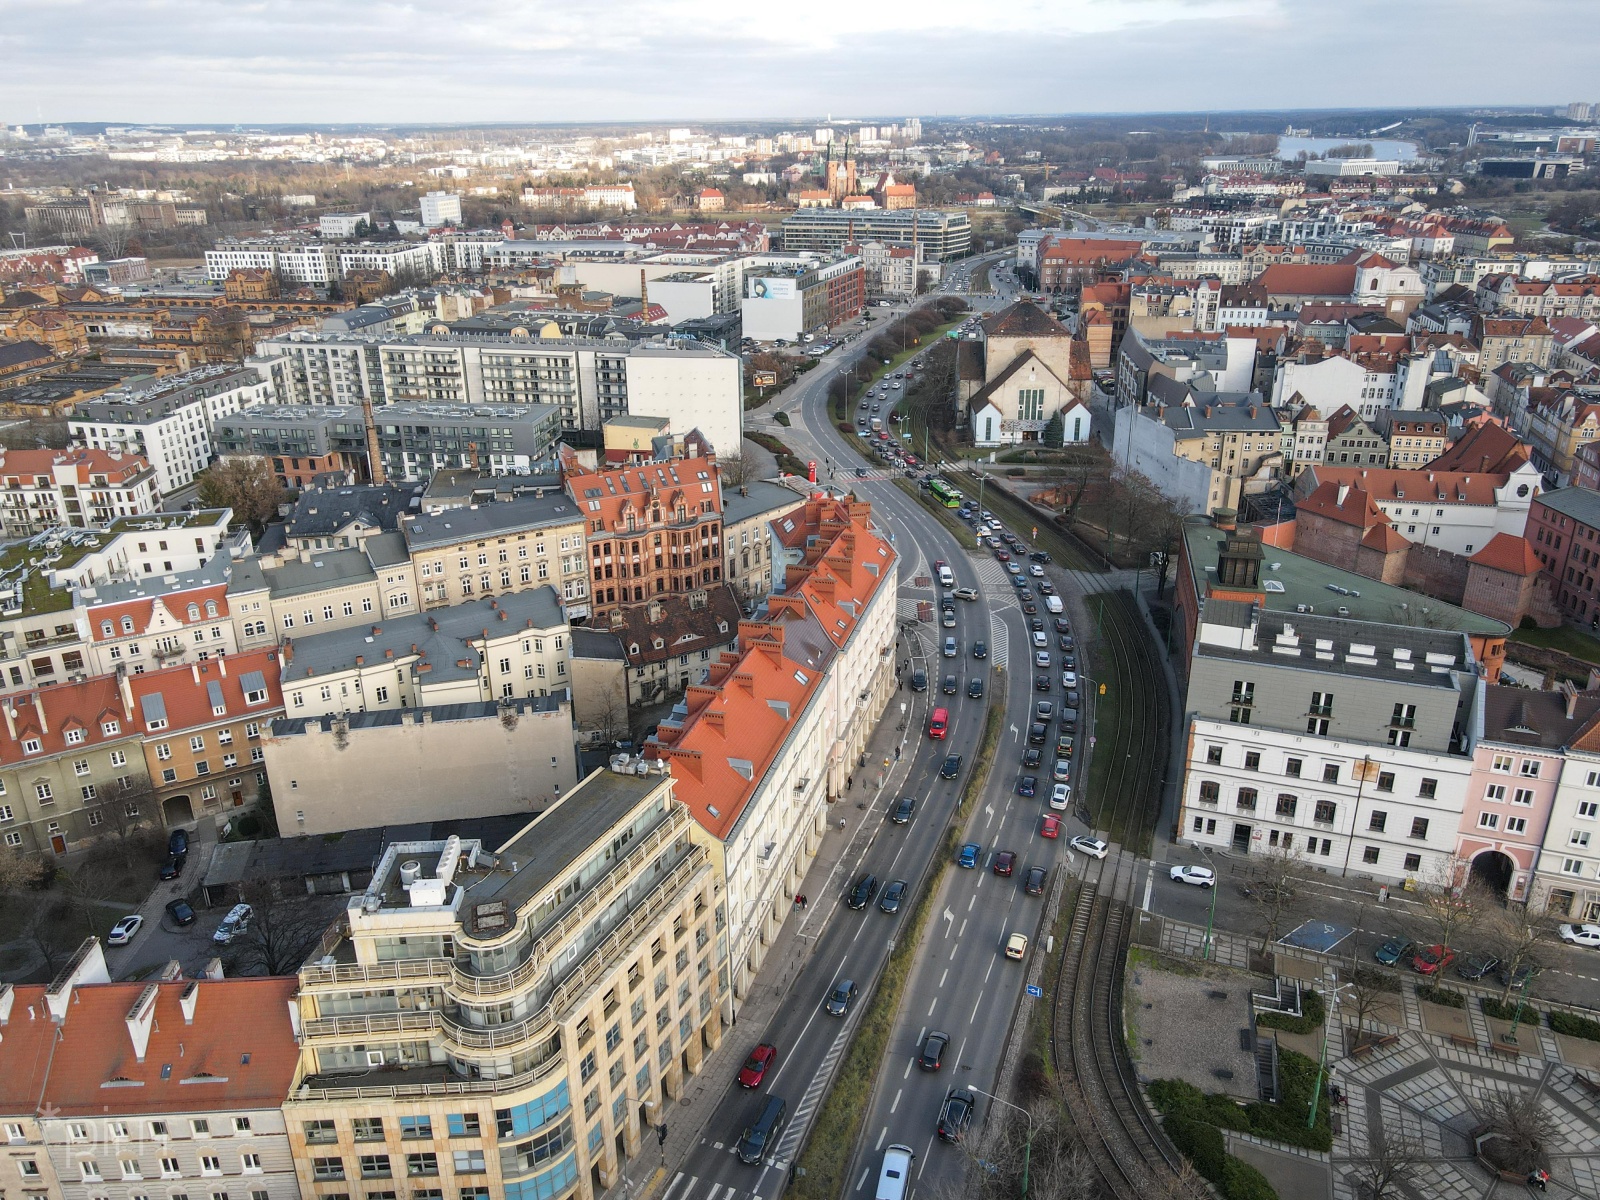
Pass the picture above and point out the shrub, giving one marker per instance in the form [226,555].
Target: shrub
[1184,1099]
[1286,1120]
[782,418]
[1502,1010]
[1575,1026]
[1312,1012]
[1200,1143]
[1446,997]
[1241,1181]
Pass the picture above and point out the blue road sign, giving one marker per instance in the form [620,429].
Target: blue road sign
[1035,990]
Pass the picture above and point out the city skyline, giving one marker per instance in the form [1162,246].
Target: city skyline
[183,62]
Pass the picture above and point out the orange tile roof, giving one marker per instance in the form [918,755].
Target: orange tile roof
[1357,509]
[185,692]
[1385,538]
[239,1051]
[118,468]
[1307,279]
[1437,487]
[1343,418]
[92,712]
[612,493]
[1510,553]
[143,610]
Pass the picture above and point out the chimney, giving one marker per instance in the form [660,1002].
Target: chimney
[374,454]
[1570,697]
[188,1000]
[38,707]
[194,669]
[1344,490]
[222,663]
[124,688]
[288,651]
[141,1017]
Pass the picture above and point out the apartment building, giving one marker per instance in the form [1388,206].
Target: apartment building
[694,385]
[317,264]
[203,728]
[1235,435]
[1414,438]
[787,299]
[166,1090]
[1517,765]
[82,489]
[1352,440]
[1512,339]
[499,547]
[1564,530]
[509,1021]
[1566,881]
[756,518]
[158,621]
[413,440]
[44,633]
[1363,383]
[1556,424]
[1337,741]
[1458,511]
[941,234]
[169,422]
[772,733]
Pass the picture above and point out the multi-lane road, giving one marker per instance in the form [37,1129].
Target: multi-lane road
[961,981]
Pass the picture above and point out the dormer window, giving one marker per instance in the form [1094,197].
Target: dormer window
[110,728]
[211,608]
[75,737]
[194,612]
[107,629]
[31,745]
[127,624]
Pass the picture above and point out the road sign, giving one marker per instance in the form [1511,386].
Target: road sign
[1035,990]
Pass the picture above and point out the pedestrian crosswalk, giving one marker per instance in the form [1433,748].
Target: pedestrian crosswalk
[691,1187]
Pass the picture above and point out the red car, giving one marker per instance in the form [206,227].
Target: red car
[755,1068]
[1050,827]
[1002,556]
[1004,862]
[1433,960]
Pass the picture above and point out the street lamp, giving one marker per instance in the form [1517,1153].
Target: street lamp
[1211,915]
[1322,1065]
[1027,1149]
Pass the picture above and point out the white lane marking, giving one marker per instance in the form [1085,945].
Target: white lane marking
[932,1006]
[953,950]
[975,1007]
[971,902]
[945,975]
[907,1074]
[926,1154]
[883,1133]
[862,1182]
[895,1105]
[990,971]
[962,1051]
[963,932]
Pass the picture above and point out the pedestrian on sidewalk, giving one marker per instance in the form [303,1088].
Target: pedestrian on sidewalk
[849,782]
[897,754]
[1539,1179]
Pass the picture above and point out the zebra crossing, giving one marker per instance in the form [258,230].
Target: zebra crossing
[687,1187]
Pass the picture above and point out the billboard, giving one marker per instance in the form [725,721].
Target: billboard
[764,378]
[772,289]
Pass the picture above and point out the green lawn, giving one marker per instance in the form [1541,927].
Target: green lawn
[1564,638]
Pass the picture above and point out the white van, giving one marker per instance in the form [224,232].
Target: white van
[896,1175]
[947,578]
[235,923]
[1052,604]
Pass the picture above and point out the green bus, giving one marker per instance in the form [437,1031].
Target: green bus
[948,496]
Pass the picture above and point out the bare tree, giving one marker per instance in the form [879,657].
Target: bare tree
[1392,1159]
[1274,890]
[126,810]
[283,932]
[735,469]
[1515,934]
[245,484]
[1450,905]
[1523,1128]
[1365,992]
[18,871]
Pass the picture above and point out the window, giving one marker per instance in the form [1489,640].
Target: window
[368,1129]
[1517,825]
[319,1132]
[1214,755]
[90,1170]
[1324,812]
[1399,737]
[1522,796]
[1578,838]
[171,1168]
[1495,793]
[1252,760]
[468,1161]
[1530,768]
[1419,827]
[1330,772]
[1287,804]
[1413,862]
[1588,809]
[376,1166]
[250,1164]
[43,792]
[416,1127]
[1247,800]
[1488,820]
[1291,767]
[1378,821]
[424,1163]
[464,1125]
[1210,791]
[1369,855]
[210,1164]
[329,1169]
[1501,763]
[1404,716]
[1428,789]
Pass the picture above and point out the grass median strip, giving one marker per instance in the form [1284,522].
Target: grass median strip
[830,1146]
[946,517]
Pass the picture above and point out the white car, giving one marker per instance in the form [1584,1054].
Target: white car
[1093,847]
[1036,571]
[1041,659]
[1069,679]
[122,932]
[1199,876]
[1061,796]
[1580,935]
[235,923]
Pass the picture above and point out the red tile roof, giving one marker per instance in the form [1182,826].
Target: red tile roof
[612,493]
[174,605]
[118,468]
[238,1051]
[91,711]
[1385,538]
[1356,509]
[1437,487]
[185,692]
[1510,553]
[1307,279]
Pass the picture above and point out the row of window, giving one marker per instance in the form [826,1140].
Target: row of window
[1287,806]
[1371,856]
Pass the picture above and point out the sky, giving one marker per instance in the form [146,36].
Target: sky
[215,62]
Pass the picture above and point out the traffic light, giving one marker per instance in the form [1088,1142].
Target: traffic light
[1102,689]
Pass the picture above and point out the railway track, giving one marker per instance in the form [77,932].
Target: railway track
[1097,1081]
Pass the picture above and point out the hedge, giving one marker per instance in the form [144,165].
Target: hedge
[1445,997]
[1179,1097]
[1312,1013]
[782,418]
[1241,1181]
[1200,1143]
[1502,1010]
[1575,1026]
[1285,1121]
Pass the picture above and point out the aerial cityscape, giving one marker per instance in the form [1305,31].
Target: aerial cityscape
[673,605]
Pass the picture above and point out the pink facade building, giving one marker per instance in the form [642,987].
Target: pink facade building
[1516,768]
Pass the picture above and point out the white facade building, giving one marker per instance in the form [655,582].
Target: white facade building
[440,209]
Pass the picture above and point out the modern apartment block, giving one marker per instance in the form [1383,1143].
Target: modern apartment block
[694,385]
[47,489]
[942,234]
[787,299]
[166,1091]
[169,422]
[506,1021]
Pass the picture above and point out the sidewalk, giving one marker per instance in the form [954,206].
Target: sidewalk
[851,820]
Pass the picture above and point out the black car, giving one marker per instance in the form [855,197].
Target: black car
[950,685]
[919,681]
[173,867]
[975,687]
[841,998]
[1062,625]
[1518,978]
[1031,758]
[893,896]
[1028,606]
[1041,683]
[1476,966]
[1036,625]
[865,889]
[1039,556]
[980,649]
[933,1048]
[951,768]
[1036,733]
[180,912]
[903,809]
[955,1114]
[1062,643]
[1033,883]
[178,842]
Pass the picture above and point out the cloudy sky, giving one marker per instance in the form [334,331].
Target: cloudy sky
[258,61]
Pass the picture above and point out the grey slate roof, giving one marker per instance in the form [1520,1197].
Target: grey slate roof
[459,524]
[1581,504]
[322,512]
[1226,412]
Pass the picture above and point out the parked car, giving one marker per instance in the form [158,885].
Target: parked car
[180,912]
[173,867]
[1580,935]
[1433,960]
[919,681]
[1395,952]
[178,842]
[1198,876]
[755,1067]
[1091,846]
[1476,966]
[122,932]
[235,923]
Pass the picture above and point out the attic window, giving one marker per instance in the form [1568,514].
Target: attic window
[109,728]
[633,648]
[800,678]
[657,643]
[745,768]
[31,745]
[722,627]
